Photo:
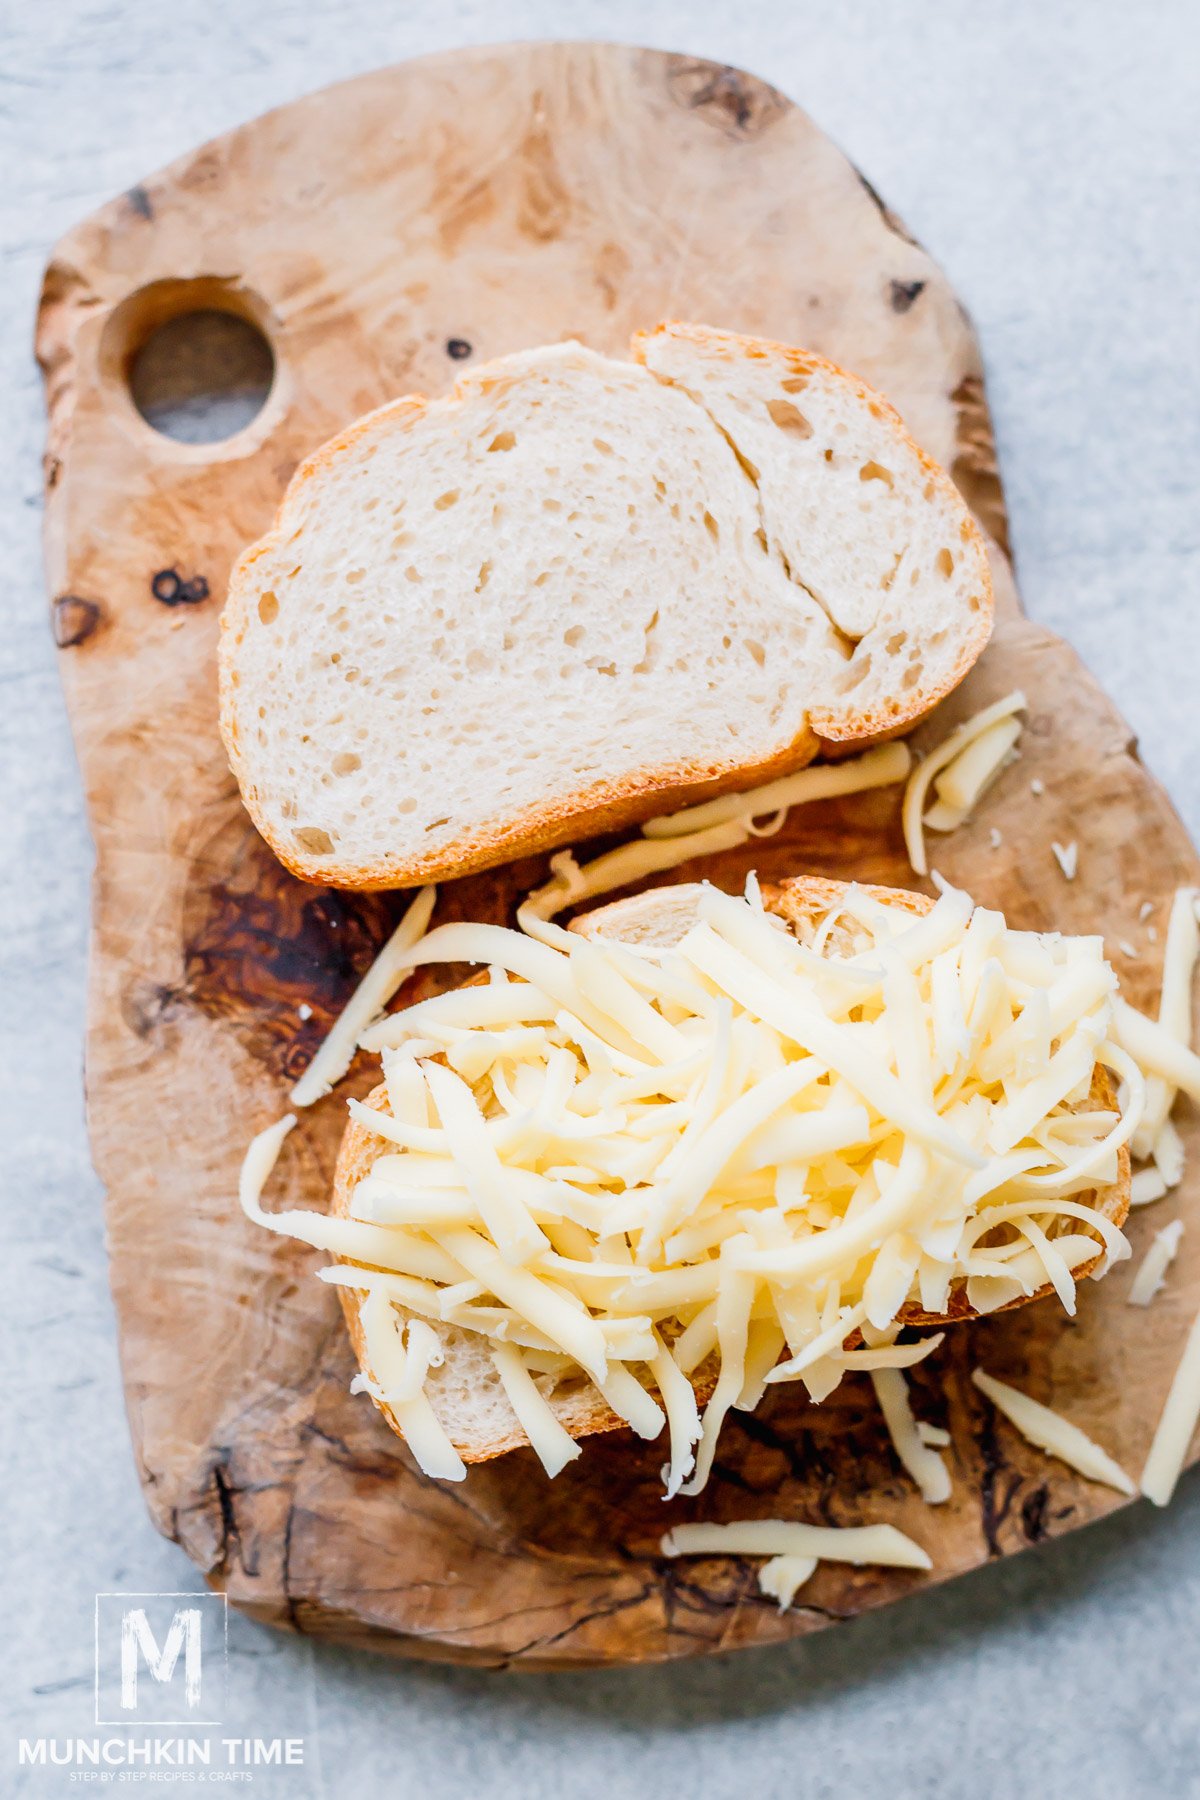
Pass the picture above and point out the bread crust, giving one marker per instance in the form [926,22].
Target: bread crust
[602,805]
[586,1413]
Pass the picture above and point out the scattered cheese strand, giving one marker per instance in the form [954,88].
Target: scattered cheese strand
[1174,1010]
[1169,1155]
[1145,1187]
[917,790]
[555,1447]
[392,1385]
[962,784]
[922,1463]
[720,824]
[880,767]
[1155,1263]
[1155,1050]
[262,1153]
[365,1003]
[1164,1465]
[1067,858]
[1050,1432]
[859,1545]
[570,883]
[782,1577]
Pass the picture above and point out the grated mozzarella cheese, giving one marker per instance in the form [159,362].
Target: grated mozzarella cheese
[1050,1432]
[921,1461]
[1067,858]
[1155,1050]
[399,1386]
[1154,1265]
[1169,1154]
[859,1545]
[880,767]
[365,1003]
[1145,1187]
[962,783]
[961,739]
[1180,1413]
[619,1162]
[1174,1010]
[781,1577]
[553,1446]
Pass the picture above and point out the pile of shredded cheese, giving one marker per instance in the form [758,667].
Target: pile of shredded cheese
[743,1156]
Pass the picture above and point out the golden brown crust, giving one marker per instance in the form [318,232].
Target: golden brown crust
[604,805]
[801,897]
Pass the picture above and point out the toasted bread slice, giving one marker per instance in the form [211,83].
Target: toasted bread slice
[578,591]
[466,1391]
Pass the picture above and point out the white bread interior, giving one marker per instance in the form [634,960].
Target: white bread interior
[578,591]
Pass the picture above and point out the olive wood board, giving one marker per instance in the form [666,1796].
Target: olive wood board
[383,234]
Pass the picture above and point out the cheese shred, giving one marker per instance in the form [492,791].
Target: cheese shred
[1176,1425]
[972,779]
[921,1462]
[743,1157]
[1049,1431]
[879,767]
[860,1545]
[1152,1271]
[1174,1012]
[365,1003]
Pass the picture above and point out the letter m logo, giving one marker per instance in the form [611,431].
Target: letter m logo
[138,1643]
[160,1658]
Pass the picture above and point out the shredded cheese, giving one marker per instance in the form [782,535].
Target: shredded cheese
[365,1003]
[880,767]
[860,1545]
[391,1379]
[554,1447]
[1050,1432]
[962,783]
[1067,858]
[782,1577]
[1177,1423]
[1155,1050]
[1154,1265]
[920,1460]
[262,1153]
[960,739]
[1169,1155]
[720,824]
[1174,1010]
[615,1162]
[569,883]
[1145,1187]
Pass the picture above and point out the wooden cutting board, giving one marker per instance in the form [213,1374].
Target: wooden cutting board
[381,234]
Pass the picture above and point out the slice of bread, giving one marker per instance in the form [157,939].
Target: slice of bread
[466,1391]
[576,592]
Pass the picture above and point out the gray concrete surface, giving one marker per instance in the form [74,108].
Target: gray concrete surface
[1045,151]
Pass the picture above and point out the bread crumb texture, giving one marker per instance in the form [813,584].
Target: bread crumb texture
[577,586]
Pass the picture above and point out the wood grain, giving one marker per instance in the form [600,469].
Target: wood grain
[380,234]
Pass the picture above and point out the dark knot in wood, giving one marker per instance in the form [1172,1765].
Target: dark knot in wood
[904,293]
[169,586]
[73,619]
[736,103]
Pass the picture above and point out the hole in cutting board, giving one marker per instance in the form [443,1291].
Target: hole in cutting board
[202,376]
